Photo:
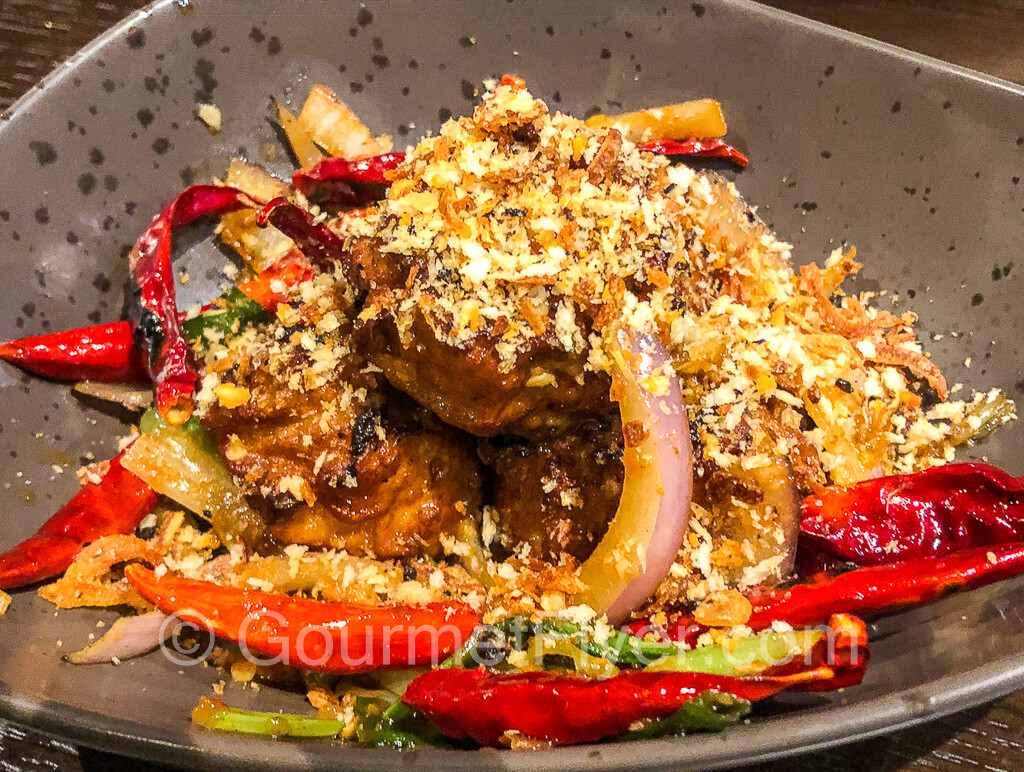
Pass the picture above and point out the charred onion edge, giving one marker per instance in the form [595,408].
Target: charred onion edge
[644,537]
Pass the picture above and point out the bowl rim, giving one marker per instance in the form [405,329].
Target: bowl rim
[768,738]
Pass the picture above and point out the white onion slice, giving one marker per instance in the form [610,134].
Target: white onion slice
[128,637]
[643,538]
[129,395]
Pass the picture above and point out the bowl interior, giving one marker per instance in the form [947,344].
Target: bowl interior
[912,161]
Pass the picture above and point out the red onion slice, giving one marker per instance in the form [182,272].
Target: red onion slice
[128,637]
[643,538]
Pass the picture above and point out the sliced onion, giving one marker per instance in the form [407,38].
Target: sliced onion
[128,637]
[643,538]
[130,395]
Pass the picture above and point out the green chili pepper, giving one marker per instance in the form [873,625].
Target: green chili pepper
[741,656]
[620,648]
[709,712]
[233,312]
[214,714]
[395,725]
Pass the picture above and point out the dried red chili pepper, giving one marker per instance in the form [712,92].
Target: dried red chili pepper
[700,148]
[103,352]
[328,637]
[157,325]
[341,182]
[844,649]
[565,709]
[926,514]
[885,588]
[324,248]
[115,504]
[875,590]
[682,628]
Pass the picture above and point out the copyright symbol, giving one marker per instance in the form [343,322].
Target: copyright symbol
[198,632]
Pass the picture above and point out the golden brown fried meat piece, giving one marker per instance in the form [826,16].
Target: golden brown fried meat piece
[558,495]
[412,485]
[465,387]
[332,454]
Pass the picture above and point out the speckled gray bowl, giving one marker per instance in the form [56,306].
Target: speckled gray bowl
[914,161]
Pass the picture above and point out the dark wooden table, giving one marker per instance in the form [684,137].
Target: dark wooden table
[988,35]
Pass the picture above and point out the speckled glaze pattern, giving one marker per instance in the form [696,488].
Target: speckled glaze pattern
[915,162]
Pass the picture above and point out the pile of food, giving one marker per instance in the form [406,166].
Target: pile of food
[531,415]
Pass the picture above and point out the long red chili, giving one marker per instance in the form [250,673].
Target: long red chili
[322,247]
[884,588]
[115,504]
[701,148]
[108,352]
[103,352]
[328,637]
[341,182]
[565,709]
[844,648]
[927,514]
[873,590]
[168,355]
